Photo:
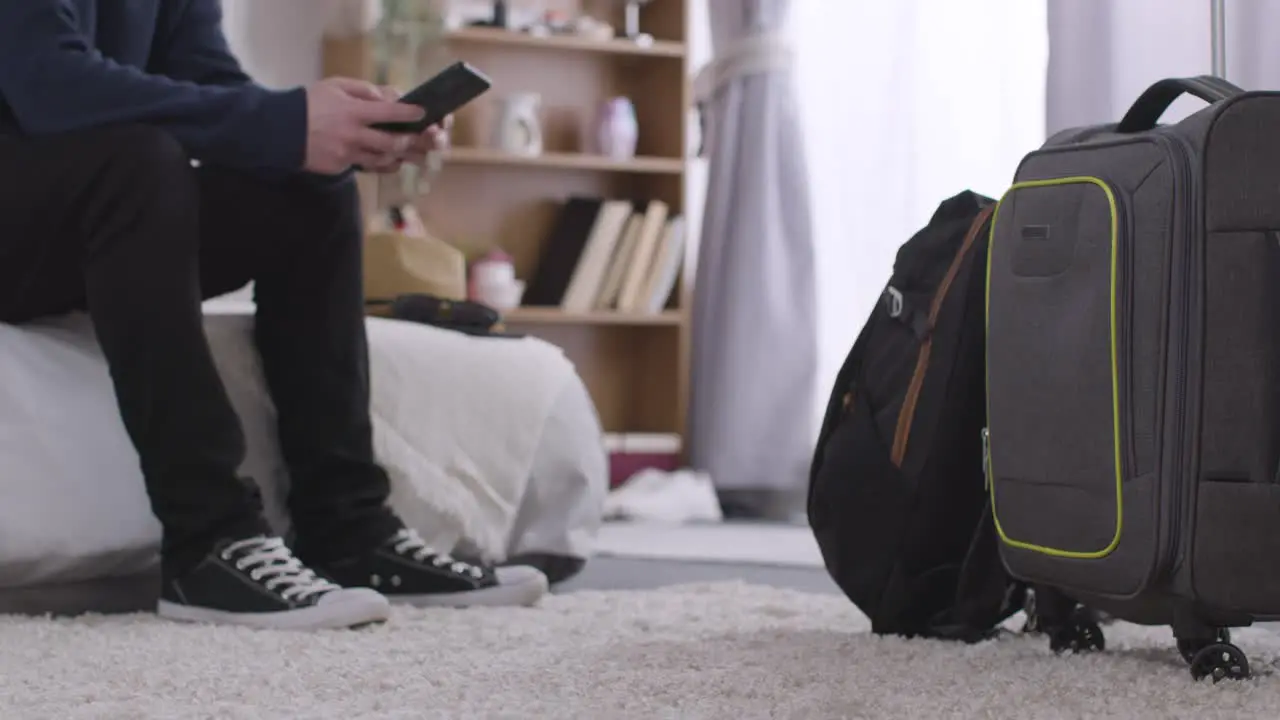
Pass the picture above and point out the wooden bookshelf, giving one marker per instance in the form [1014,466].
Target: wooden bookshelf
[565,161]
[636,365]
[554,316]
[487,36]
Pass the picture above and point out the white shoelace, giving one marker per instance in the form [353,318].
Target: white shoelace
[270,562]
[408,541]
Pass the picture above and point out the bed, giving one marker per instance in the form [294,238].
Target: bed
[493,446]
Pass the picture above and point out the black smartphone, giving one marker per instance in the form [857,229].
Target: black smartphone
[449,90]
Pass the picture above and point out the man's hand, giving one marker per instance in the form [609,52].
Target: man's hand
[416,147]
[339,113]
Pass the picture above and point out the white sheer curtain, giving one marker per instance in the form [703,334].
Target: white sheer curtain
[1105,53]
[906,103]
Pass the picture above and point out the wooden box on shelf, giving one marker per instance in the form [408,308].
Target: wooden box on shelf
[635,362]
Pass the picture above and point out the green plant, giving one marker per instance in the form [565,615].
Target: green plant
[406,32]
[408,47]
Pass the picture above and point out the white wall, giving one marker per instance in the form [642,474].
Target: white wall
[278,40]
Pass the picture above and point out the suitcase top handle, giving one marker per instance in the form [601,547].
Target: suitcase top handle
[1153,103]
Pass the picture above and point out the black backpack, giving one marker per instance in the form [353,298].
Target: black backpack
[897,492]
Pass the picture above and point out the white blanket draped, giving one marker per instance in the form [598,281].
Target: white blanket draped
[459,422]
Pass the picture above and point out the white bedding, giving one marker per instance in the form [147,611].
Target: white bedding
[491,444]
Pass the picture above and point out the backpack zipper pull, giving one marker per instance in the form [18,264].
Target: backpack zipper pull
[986,459]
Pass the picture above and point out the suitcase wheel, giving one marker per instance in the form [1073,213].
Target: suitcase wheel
[1188,648]
[1079,634]
[1033,625]
[1220,661]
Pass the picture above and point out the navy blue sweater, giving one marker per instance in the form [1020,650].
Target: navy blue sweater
[68,65]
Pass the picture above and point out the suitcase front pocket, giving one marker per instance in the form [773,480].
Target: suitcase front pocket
[1057,366]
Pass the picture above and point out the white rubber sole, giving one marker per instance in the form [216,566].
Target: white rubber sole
[518,586]
[340,609]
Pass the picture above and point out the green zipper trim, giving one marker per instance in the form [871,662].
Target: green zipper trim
[1115,374]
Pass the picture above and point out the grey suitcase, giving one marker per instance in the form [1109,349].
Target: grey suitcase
[1133,359]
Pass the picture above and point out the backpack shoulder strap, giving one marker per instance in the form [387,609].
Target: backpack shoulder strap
[986,595]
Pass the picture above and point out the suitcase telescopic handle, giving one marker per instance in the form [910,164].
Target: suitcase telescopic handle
[1153,103]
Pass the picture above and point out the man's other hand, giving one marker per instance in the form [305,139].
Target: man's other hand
[434,138]
[340,112]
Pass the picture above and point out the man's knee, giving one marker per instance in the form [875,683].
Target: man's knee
[335,204]
[340,195]
[145,176]
[148,159]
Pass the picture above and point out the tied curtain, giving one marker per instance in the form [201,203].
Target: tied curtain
[754,317]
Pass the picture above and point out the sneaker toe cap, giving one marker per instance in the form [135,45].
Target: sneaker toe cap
[363,597]
[520,575]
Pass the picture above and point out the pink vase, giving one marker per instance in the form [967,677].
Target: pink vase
[617,129]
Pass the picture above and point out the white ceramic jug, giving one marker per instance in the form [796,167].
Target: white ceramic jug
[519,129]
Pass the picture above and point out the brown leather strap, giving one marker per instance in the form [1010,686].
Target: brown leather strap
[936,306]
[902,432]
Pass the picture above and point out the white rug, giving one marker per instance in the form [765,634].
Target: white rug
[753,544]
[715,651]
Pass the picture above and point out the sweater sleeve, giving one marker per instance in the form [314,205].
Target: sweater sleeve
[53,82]
[191,45]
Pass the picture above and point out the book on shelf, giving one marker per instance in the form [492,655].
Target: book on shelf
[653,218]
[593,263]
[563,247]
[612,287]
[662,276]
[608,254]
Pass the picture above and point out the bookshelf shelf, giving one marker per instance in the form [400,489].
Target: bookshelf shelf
[488,36]
[556,316]
[564,161]
[548,211]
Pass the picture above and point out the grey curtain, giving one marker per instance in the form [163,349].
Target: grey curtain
[755,332]
[1103,53]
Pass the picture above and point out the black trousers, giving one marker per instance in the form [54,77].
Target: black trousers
[118,222]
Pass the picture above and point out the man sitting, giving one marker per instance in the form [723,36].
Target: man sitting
[104,105]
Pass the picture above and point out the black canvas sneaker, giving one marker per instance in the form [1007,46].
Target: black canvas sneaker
[407,571]
[257,582]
